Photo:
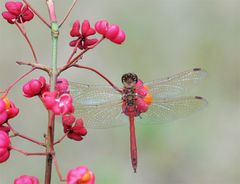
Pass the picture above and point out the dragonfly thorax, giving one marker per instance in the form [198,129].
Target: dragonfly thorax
[129,95]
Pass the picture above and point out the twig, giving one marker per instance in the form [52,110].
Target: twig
[36,13]
[68,13]
[60,140]
[74,51]
[25,137]
[28,153]
[35,65]
[101,75]
[75,60]
[61,178]
[6,91]
[28,41]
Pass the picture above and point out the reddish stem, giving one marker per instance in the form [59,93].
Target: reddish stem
[28,153]
[101,75]
[61,139]
[68,13]
[74,51]
[81,53]
[36,13]
[28,41]
[51,10]
[50,148]
[6,91]
[25,137]
[75,60]
[35,65]
[61,178]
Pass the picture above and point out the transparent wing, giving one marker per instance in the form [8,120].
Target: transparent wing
[176,84]
[93,94]
[171,109]
[106,115]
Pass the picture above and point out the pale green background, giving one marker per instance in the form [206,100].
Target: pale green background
[163,37]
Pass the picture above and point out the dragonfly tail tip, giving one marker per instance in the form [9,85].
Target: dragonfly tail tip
[135,170]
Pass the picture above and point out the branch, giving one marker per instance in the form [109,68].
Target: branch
[68,13]
[6,91]
[28,153]
[74,61]
[28,41]
[74,51]
[101,75]
[61,178]
[79,56]
[60,140]
[35,65]
[25,137]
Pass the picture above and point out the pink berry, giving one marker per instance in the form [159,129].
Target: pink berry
[74,136]
[65,104]
[34,87]
[75,29]
[15,12]
[3,117]
[12,111]
[4,140]
[80,175]
[86,29]
[14,7]
[27,14]
[68,120]
[62,86]
[5,156]
[5,129]
[26,180]
[2,106]
[49,99]
[120,38]
[83,41]
[101,27]
[112,31]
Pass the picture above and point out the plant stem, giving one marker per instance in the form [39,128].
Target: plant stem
[60,140]
[6,91]
[28,153]
[28,41]
[34,65]
[61,178]
[53,78]
[73,61]
[101,75]
[25,137]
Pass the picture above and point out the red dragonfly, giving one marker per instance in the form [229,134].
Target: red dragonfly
[154,102]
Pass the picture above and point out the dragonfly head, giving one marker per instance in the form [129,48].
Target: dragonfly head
[129,80]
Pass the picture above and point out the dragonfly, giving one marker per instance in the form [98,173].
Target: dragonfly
[105,107]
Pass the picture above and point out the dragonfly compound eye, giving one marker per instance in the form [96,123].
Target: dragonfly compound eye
[129,78]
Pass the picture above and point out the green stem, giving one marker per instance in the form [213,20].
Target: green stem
[51,116]
[55,33]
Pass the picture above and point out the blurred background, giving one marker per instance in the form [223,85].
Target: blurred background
[164,37]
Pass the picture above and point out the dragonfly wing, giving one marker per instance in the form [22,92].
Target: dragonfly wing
[167,110]
[106,115]
[93,94]
[176,84]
